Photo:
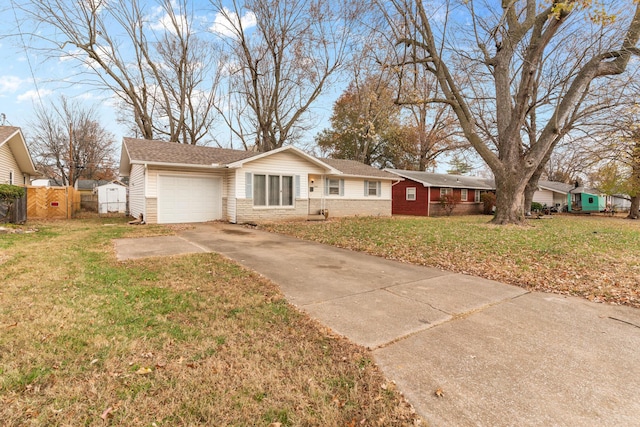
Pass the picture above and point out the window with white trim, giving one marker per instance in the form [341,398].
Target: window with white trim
[477,197]
[445,191]
[411,193]
[333,187]
[372,188]
[272,190]
[463,195]
[11,177]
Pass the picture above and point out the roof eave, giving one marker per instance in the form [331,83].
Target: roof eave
[178,165]
[240,163]
[21,153]
[388,178]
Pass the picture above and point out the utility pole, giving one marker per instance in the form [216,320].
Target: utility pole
[70,154]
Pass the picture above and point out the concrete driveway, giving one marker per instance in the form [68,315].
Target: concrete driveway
[501,356]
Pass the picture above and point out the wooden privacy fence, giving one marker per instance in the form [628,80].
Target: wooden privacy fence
[52,202]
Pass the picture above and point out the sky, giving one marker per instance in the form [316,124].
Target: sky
[29,80]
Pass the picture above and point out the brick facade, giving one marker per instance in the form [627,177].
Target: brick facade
[462,208]
[246,212]
[341,207]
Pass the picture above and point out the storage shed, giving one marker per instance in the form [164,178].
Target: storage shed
[112,197]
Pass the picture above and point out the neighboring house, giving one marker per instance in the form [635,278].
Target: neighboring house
[583,199]
[171,182]
[419,193]
[16,165]
[89,186]
[553,194]
[619,202]
[567,197]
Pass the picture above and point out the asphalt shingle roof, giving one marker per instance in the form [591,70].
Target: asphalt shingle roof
[7,131]
[558,187]
[355,168]
[171,152]
[142,150]
[446,180]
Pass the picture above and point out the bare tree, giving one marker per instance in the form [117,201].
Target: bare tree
[150,59]
[615,154]
[282,55]
[532,66]
[436,128]
[68,143]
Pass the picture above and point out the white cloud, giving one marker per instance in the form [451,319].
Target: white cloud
[68,56]
[226,22]
[33,94]
[10,84]
[165,23]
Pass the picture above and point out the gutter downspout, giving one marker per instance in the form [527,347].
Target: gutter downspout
[322,197]
[428,201]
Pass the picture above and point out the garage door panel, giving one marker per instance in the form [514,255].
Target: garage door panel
[189,199]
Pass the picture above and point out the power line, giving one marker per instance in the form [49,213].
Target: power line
[24,47]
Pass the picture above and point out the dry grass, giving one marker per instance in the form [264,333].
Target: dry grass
[594,257]
[189,340]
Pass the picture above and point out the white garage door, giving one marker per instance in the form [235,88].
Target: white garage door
[189,199]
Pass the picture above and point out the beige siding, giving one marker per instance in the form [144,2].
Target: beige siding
[543,196]
[280,164]
[353,189]
[8,164]
[136,191]
[230,207]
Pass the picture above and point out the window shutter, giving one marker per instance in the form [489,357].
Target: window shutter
[342,187]
[366,188]
[297,185]
[248,185]
[379,188]
[326,186]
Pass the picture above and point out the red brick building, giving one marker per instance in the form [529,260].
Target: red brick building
[419,193]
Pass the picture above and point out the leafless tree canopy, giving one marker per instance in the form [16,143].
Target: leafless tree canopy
[517,75]
[279,67]
[68,143]
[150,58]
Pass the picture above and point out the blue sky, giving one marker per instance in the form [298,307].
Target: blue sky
[29,80]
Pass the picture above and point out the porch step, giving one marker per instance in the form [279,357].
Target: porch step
[316,217]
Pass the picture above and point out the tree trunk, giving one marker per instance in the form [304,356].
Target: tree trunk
[509,201]
[635,206]
[532,185]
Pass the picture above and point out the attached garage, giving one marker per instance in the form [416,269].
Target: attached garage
[184,198]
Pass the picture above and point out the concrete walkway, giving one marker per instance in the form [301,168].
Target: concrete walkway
[500,355]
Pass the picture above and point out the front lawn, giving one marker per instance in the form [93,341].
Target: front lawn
[594,257]
[186,340]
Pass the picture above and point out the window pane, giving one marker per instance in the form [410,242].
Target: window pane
[259,190]
[411,193]
[274,190]
[334,186]
[287,191]
[463,195]
[373,188]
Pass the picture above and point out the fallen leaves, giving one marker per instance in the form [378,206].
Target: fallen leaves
[559,256]
[144,371]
